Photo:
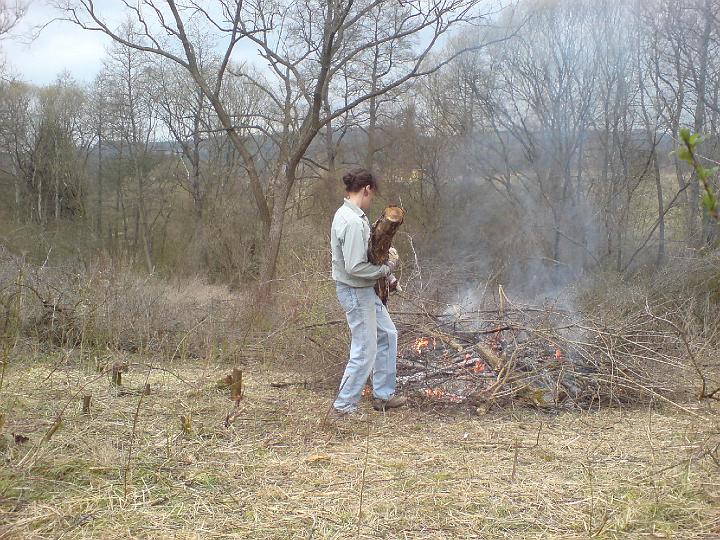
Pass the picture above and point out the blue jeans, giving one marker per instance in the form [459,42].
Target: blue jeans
[373,347]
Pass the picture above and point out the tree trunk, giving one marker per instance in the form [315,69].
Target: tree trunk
[329,145]
[18,198]
[56,173]
[98,218]
[661,209]
[268,266]
[197,188]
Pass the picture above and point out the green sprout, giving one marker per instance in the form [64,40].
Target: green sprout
[688,152]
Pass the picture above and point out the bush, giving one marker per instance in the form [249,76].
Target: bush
[102,308]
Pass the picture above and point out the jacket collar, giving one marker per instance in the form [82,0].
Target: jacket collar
[355,208]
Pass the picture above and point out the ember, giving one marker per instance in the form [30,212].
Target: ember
[478,358]
[434,392]
[440,394]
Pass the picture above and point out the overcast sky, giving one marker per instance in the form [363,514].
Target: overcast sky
[64,46]
[60,46]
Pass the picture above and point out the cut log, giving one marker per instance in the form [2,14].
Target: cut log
[381,237]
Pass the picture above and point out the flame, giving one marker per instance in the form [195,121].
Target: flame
[439,393]
[558,354]
[366,391]
[479,366]
[424,344]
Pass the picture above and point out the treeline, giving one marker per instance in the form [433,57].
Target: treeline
[575,121]
[536,144]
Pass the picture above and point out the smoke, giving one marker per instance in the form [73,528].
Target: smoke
[508,222]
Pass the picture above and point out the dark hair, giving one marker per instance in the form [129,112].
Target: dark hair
[357,179]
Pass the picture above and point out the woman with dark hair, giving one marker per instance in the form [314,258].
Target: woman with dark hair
[374,337]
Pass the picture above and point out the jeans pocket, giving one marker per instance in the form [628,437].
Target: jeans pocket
[348,298]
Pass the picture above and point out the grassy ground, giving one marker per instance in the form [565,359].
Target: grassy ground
[280,472]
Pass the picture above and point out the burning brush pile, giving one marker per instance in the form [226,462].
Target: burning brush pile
[538,356]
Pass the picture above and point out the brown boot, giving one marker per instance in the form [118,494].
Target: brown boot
[392,403]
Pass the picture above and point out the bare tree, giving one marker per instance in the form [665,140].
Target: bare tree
[132,126]
[46,142]
[11,11]
[305,46]
[17,105]
[182,109]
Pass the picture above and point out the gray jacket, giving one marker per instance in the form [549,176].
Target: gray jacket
[349,237]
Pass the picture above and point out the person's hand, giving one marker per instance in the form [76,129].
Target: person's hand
[394,284]
[393,259]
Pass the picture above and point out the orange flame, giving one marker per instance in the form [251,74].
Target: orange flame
[366,391]
[479,366]
[424,344]
[558,354]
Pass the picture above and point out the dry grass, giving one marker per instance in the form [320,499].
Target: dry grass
[278,472]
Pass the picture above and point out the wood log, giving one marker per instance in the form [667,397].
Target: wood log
[381,237]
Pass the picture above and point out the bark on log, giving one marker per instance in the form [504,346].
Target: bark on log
[381,237]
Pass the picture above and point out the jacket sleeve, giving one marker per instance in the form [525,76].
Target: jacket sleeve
[354,250]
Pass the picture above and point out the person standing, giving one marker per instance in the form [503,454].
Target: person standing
[374,338]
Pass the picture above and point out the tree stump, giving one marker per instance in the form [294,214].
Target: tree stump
[86,404]
[118,368]
[381,237]
[236,386]
[116,376]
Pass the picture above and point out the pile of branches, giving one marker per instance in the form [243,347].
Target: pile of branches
[544,356]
